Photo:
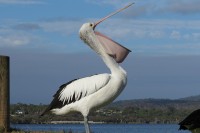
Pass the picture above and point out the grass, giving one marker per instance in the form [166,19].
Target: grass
[14,130]
[20,131]
[40,132]
[37,132]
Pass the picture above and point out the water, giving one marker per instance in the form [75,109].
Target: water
[103,128]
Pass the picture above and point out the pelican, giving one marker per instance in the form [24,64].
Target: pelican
[89,93]
[191,122]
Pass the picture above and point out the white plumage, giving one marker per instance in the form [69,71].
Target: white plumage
[86,94]
[86,86]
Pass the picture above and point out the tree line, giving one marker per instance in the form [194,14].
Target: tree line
[143,111]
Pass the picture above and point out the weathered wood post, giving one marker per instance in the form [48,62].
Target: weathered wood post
[4,94]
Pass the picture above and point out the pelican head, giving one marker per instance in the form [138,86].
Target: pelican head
[93,38]
[85,31]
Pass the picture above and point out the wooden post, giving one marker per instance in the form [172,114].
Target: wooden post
[4,94]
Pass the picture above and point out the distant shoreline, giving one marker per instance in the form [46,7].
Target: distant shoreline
[74,122]
[140,111]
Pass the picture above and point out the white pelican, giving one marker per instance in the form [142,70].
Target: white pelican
[191,122]
[83,95]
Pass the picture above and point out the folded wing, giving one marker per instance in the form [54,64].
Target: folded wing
[77,89]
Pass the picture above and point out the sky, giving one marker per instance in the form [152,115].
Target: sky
[41,37]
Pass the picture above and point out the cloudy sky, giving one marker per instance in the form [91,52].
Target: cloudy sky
[41,38]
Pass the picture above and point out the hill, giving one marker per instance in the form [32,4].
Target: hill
[126,111]
[192,98]
[183,103]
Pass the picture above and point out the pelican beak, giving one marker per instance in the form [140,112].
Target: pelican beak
[114,49]
[101,20]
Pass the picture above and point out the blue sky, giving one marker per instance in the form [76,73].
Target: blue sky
[41,37]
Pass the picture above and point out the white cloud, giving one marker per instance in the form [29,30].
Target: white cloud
[64,27]
[155,7]
[156,34]
[21,2]
[33,34]
[151,28]
[27,26]
[183,6]
[175,35]
[14,40]
[186,36]
[196,36]
[141,31]
[10,37]
[116,3]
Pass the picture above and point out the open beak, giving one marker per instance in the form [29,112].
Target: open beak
[114,49]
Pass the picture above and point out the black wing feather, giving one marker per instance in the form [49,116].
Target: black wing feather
[56,103]
[192,120]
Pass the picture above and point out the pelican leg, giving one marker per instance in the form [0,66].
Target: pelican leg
[87,128]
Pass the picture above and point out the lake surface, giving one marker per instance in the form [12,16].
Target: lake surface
[103,128]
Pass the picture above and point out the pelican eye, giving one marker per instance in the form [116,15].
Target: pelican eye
[91,25]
